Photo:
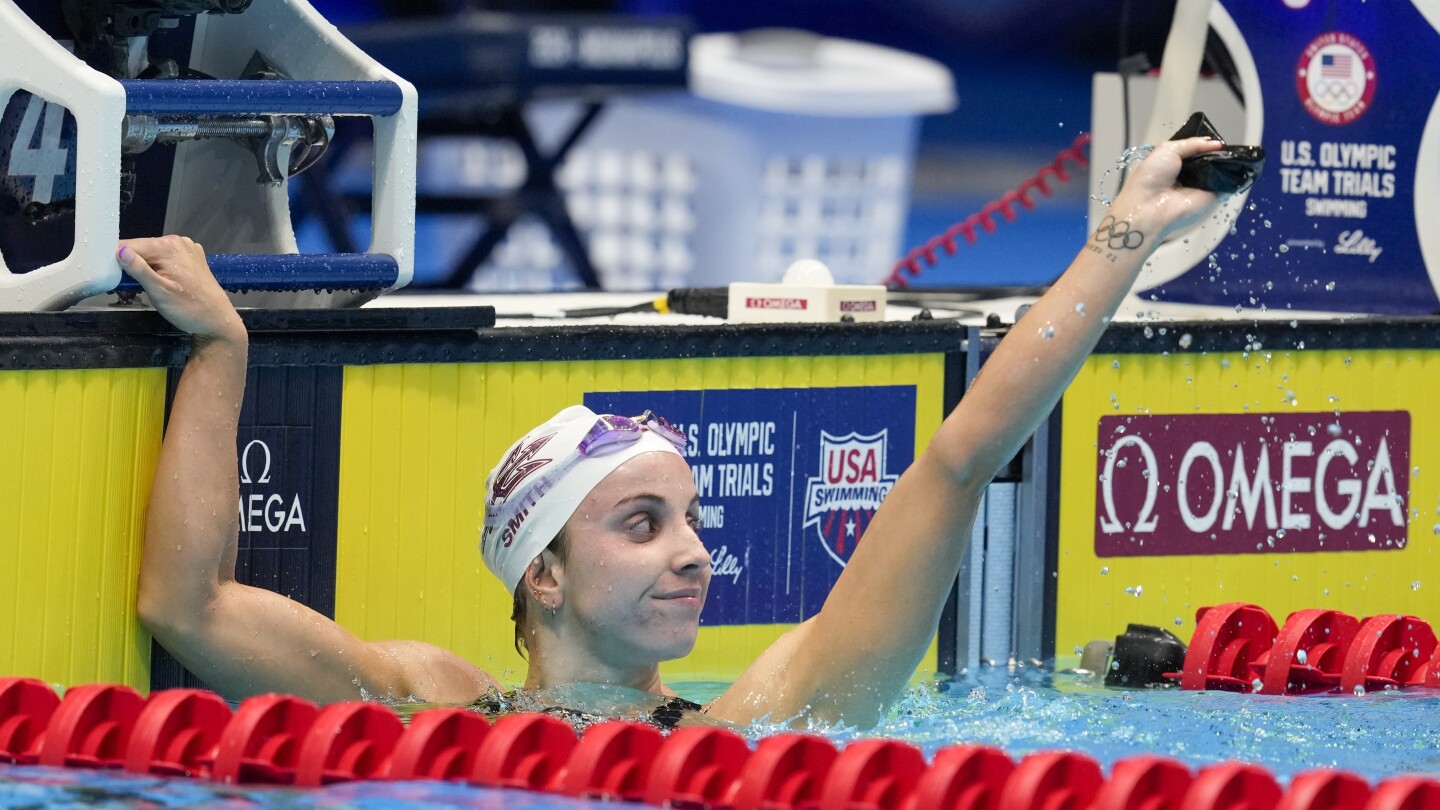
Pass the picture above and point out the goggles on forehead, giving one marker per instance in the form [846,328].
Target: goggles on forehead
[612,432]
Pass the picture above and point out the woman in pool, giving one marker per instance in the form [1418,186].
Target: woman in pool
[591,522]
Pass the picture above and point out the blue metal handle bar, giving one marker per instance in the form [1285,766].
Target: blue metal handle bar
[245,272]
[259,97]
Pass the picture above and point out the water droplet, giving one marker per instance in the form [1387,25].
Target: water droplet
[1186,340]
[1257,684]
[1080,308]
[1415,586]
[1105,569]
[1179,622]
[1301,656]
[1359,690]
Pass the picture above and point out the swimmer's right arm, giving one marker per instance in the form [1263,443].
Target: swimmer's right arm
[242,640]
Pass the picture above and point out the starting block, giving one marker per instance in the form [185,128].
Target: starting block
[245,93]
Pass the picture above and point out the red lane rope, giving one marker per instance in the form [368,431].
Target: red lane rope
[1238,647]
[1007,206]
[274,739]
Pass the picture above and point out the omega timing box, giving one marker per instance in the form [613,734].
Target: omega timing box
[805,303]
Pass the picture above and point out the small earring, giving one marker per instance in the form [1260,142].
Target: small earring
[536,593]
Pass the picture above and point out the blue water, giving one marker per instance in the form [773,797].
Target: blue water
[1376,736]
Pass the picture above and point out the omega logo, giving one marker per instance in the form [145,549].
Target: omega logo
[245,463]
[265,511]
[1242,483]
[1147,521]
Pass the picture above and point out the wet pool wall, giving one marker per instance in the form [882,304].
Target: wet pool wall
[1328,436]
[365,440]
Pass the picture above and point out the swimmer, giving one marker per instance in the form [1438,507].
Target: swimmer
[592,520]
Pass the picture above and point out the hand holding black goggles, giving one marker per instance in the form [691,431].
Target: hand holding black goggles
[1228,171]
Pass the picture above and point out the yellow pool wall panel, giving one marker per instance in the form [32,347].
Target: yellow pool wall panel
[73,491]
[1097,596]
[417,441]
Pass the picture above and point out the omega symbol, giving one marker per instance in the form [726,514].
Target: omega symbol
[1147,521]
[245,463]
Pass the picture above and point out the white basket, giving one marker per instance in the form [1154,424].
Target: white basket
[681,189]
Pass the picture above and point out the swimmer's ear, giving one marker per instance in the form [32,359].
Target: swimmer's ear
[543,578]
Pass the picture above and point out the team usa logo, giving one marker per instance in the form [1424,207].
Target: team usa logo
[1336,78]
[842,500]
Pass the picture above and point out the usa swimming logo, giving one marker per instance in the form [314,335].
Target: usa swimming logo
[842,500]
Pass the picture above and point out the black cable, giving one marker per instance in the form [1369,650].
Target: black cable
[714,302]
[601,312]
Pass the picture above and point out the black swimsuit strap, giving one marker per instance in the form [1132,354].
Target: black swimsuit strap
[666,716]
[669,713]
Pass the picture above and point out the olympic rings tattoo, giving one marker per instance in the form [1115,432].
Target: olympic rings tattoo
[1116,234]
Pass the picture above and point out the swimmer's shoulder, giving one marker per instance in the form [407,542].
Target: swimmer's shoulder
[433,673]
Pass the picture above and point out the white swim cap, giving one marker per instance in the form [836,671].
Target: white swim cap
[544,476]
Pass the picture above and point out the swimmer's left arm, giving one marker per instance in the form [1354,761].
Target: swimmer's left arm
[849,662]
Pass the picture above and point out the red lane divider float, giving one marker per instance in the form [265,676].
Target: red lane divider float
[262,742]
[347,742]
[524,751]
[1052,779]
[963,777]
[26,706]
[1325,790]
[1390,652]
[697,767]
[91,727]
[1232,786]
[1237,647]
[612,761]
[1227,639]
[1406,793]
[439,744]
[176,733]
[872,774]
[275,739]
[786,770]
[1155,783]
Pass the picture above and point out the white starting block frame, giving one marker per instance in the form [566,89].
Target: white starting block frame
[214,196]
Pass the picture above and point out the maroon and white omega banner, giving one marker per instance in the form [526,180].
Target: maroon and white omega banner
[1252,483]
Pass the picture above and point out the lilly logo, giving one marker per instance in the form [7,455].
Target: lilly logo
[1356,243]
[853,480]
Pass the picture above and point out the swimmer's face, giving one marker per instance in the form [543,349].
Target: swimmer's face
[636,573]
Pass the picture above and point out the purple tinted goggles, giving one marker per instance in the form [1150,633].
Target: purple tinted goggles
[612,432]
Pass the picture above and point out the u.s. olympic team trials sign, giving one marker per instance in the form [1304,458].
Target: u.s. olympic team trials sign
[788,479]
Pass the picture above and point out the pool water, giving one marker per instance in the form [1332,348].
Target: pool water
[1377,736]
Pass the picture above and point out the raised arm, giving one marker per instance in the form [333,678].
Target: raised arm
[853,658]
[241,640]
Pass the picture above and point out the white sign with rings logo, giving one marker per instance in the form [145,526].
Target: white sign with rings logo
[265,511]
[1335,78]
